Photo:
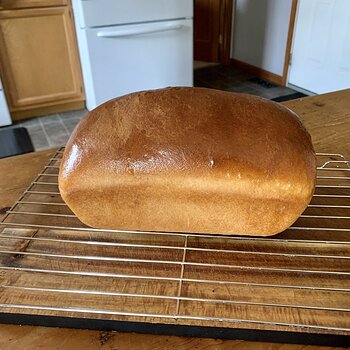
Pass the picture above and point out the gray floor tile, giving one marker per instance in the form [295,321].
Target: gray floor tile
[242,89]
[70,124]
[226,77]
[30,122]
[73,114]
[59,140]
[38,137]
[271,93]
[220,85]
[50,119]
[57,133]
[54,128]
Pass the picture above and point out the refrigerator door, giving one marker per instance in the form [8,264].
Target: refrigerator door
[94,13]
[129,58]
[5,118]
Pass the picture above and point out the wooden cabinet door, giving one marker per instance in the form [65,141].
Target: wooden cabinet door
[17,4]
[38,57]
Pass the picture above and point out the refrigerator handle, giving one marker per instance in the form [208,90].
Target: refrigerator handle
[163,27]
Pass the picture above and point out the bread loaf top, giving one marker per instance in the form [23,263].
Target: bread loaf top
[199,137]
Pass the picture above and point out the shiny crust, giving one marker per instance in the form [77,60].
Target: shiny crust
[189,160]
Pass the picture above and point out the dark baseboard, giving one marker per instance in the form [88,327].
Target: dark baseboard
[258,72]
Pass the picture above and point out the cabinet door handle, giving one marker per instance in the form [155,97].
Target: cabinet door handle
[138,31]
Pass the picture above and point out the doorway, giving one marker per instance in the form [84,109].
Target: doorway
[212,30]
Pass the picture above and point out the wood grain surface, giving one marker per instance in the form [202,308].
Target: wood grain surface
[17,173]
[22,170]
[327,118]
[26,337]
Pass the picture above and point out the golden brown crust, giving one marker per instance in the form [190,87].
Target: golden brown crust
[189,159]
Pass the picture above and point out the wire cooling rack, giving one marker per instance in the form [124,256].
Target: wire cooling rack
[51,264]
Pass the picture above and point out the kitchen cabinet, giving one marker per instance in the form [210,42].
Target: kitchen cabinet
[39,62]
[16,4]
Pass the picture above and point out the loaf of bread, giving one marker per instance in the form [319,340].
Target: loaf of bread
[189,160]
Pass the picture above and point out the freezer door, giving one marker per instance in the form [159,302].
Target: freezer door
[5,118]
[125,59]
[94,13]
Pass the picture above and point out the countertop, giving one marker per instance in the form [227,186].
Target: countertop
[327,118]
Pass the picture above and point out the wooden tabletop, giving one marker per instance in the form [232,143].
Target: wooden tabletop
[327,117]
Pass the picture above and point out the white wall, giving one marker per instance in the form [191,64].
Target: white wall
[260,32]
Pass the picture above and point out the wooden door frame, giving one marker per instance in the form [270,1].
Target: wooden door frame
[278,79]
[289,41]
[225,31]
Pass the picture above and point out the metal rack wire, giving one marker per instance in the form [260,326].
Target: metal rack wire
[297,280]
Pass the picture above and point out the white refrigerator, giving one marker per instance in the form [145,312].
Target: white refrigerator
[5,118]
[133,45]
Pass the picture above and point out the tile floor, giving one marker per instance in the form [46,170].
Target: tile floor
[229,78]
[54,130]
